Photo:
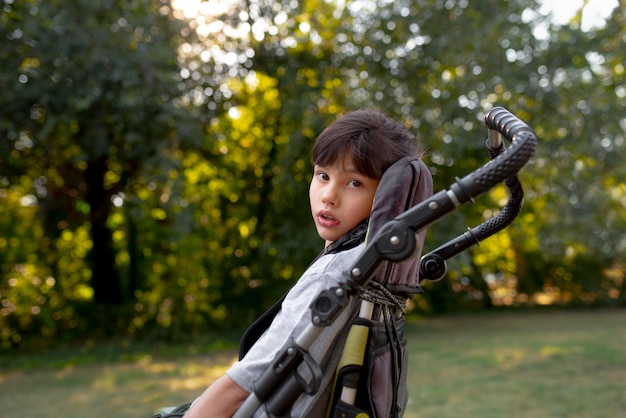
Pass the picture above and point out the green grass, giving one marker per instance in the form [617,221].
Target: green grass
[542,364]
[522,364]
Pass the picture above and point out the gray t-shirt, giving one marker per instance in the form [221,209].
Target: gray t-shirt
[295,315]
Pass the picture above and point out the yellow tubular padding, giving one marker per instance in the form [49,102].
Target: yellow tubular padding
[354,351]
[353,354]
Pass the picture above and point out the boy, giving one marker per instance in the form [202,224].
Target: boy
[349,157]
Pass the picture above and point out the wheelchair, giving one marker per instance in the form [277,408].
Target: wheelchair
[385,274]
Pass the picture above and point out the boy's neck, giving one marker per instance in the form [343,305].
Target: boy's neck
[349,240]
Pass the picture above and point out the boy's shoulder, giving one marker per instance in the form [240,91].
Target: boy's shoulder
[336,262]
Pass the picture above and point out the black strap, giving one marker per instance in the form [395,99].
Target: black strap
[178,412]
[395,348]
[349,240]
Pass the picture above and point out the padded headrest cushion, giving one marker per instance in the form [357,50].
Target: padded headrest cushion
[403,185]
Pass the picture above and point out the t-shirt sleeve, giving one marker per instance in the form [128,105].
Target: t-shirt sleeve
[294,317]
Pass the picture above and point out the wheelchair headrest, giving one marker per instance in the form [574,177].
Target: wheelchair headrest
[403,185]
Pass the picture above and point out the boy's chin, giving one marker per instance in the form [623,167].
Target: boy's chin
[326,235]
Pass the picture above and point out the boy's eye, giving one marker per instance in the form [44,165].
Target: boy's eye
[354,183]
[322,176]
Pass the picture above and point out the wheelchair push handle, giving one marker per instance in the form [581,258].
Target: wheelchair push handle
[433,265]
[396,240]
[506,164]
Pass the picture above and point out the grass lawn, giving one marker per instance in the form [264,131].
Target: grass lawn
[521,364]
[539,364]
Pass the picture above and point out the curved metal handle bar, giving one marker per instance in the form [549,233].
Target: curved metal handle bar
[433,265]
[395,240]
[507,164]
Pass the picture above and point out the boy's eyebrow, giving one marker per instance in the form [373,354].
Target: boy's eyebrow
[352,170]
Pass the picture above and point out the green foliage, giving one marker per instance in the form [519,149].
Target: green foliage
[91,100]
[154,168]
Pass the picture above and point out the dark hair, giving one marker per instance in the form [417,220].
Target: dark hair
[374,140]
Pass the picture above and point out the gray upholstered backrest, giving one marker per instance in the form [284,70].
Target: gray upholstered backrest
[403,185]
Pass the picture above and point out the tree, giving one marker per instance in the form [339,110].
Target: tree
[267,90]
[580,79]
[165,159]
[90,100]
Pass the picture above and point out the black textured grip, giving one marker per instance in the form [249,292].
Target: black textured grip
[506,215]
[505,165]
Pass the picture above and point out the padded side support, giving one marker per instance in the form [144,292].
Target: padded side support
[403,185]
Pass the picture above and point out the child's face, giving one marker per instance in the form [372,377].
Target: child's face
[340,198]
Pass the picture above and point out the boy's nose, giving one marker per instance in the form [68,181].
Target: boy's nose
[329,196]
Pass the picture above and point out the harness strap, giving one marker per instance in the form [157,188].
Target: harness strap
[377,293]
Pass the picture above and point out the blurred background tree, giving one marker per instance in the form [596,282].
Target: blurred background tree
[89,111]
[154,161]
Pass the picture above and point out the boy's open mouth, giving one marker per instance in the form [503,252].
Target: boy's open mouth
[326,219]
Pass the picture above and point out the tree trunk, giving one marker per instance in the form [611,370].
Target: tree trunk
[105,279]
